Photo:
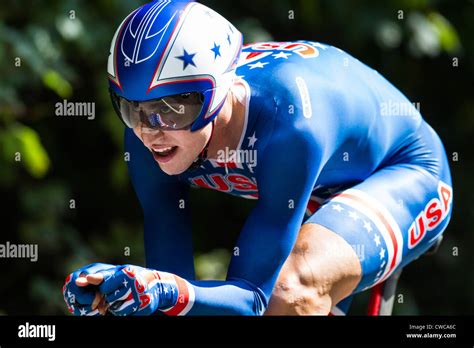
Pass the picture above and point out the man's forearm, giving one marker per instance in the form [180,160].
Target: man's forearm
[214,297]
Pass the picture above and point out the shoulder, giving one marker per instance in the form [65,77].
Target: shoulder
[283,60]
[300,77]
[286,68]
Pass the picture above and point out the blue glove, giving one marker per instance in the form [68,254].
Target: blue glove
[79,299]
[134,290]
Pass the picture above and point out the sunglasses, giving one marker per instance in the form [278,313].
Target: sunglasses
[175,112]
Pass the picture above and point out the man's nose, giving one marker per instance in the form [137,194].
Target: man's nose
[147,135]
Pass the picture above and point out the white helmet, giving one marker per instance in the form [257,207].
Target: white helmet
[167,49]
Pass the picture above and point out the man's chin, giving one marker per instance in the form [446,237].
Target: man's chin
[172,169]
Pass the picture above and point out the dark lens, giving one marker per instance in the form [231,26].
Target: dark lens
[168,113]
[173,112]
[164,110]
[116,104]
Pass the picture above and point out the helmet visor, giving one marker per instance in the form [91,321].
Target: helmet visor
[168,113]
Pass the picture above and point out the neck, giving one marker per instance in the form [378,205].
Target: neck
[228,127]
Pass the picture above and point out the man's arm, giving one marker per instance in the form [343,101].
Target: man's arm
[167,223]
[287,171]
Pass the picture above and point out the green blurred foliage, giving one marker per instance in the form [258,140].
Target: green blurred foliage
[64,184]
[212,265]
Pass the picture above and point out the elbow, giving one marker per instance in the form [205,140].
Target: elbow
[255,304]
[260,303]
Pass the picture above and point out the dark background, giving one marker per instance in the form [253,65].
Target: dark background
[48,54]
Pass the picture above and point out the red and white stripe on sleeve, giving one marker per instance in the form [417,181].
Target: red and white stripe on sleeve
[185,294]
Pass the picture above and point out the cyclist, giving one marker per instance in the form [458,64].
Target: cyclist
[351,182]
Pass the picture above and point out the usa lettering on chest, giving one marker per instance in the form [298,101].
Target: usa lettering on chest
[226,183]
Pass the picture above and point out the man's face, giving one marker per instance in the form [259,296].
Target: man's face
[174,151]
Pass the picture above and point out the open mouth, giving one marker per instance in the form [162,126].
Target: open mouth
[165,154]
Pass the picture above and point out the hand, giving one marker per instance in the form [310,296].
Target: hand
[99,302]
[81,293]
[121,290]
[134,290]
